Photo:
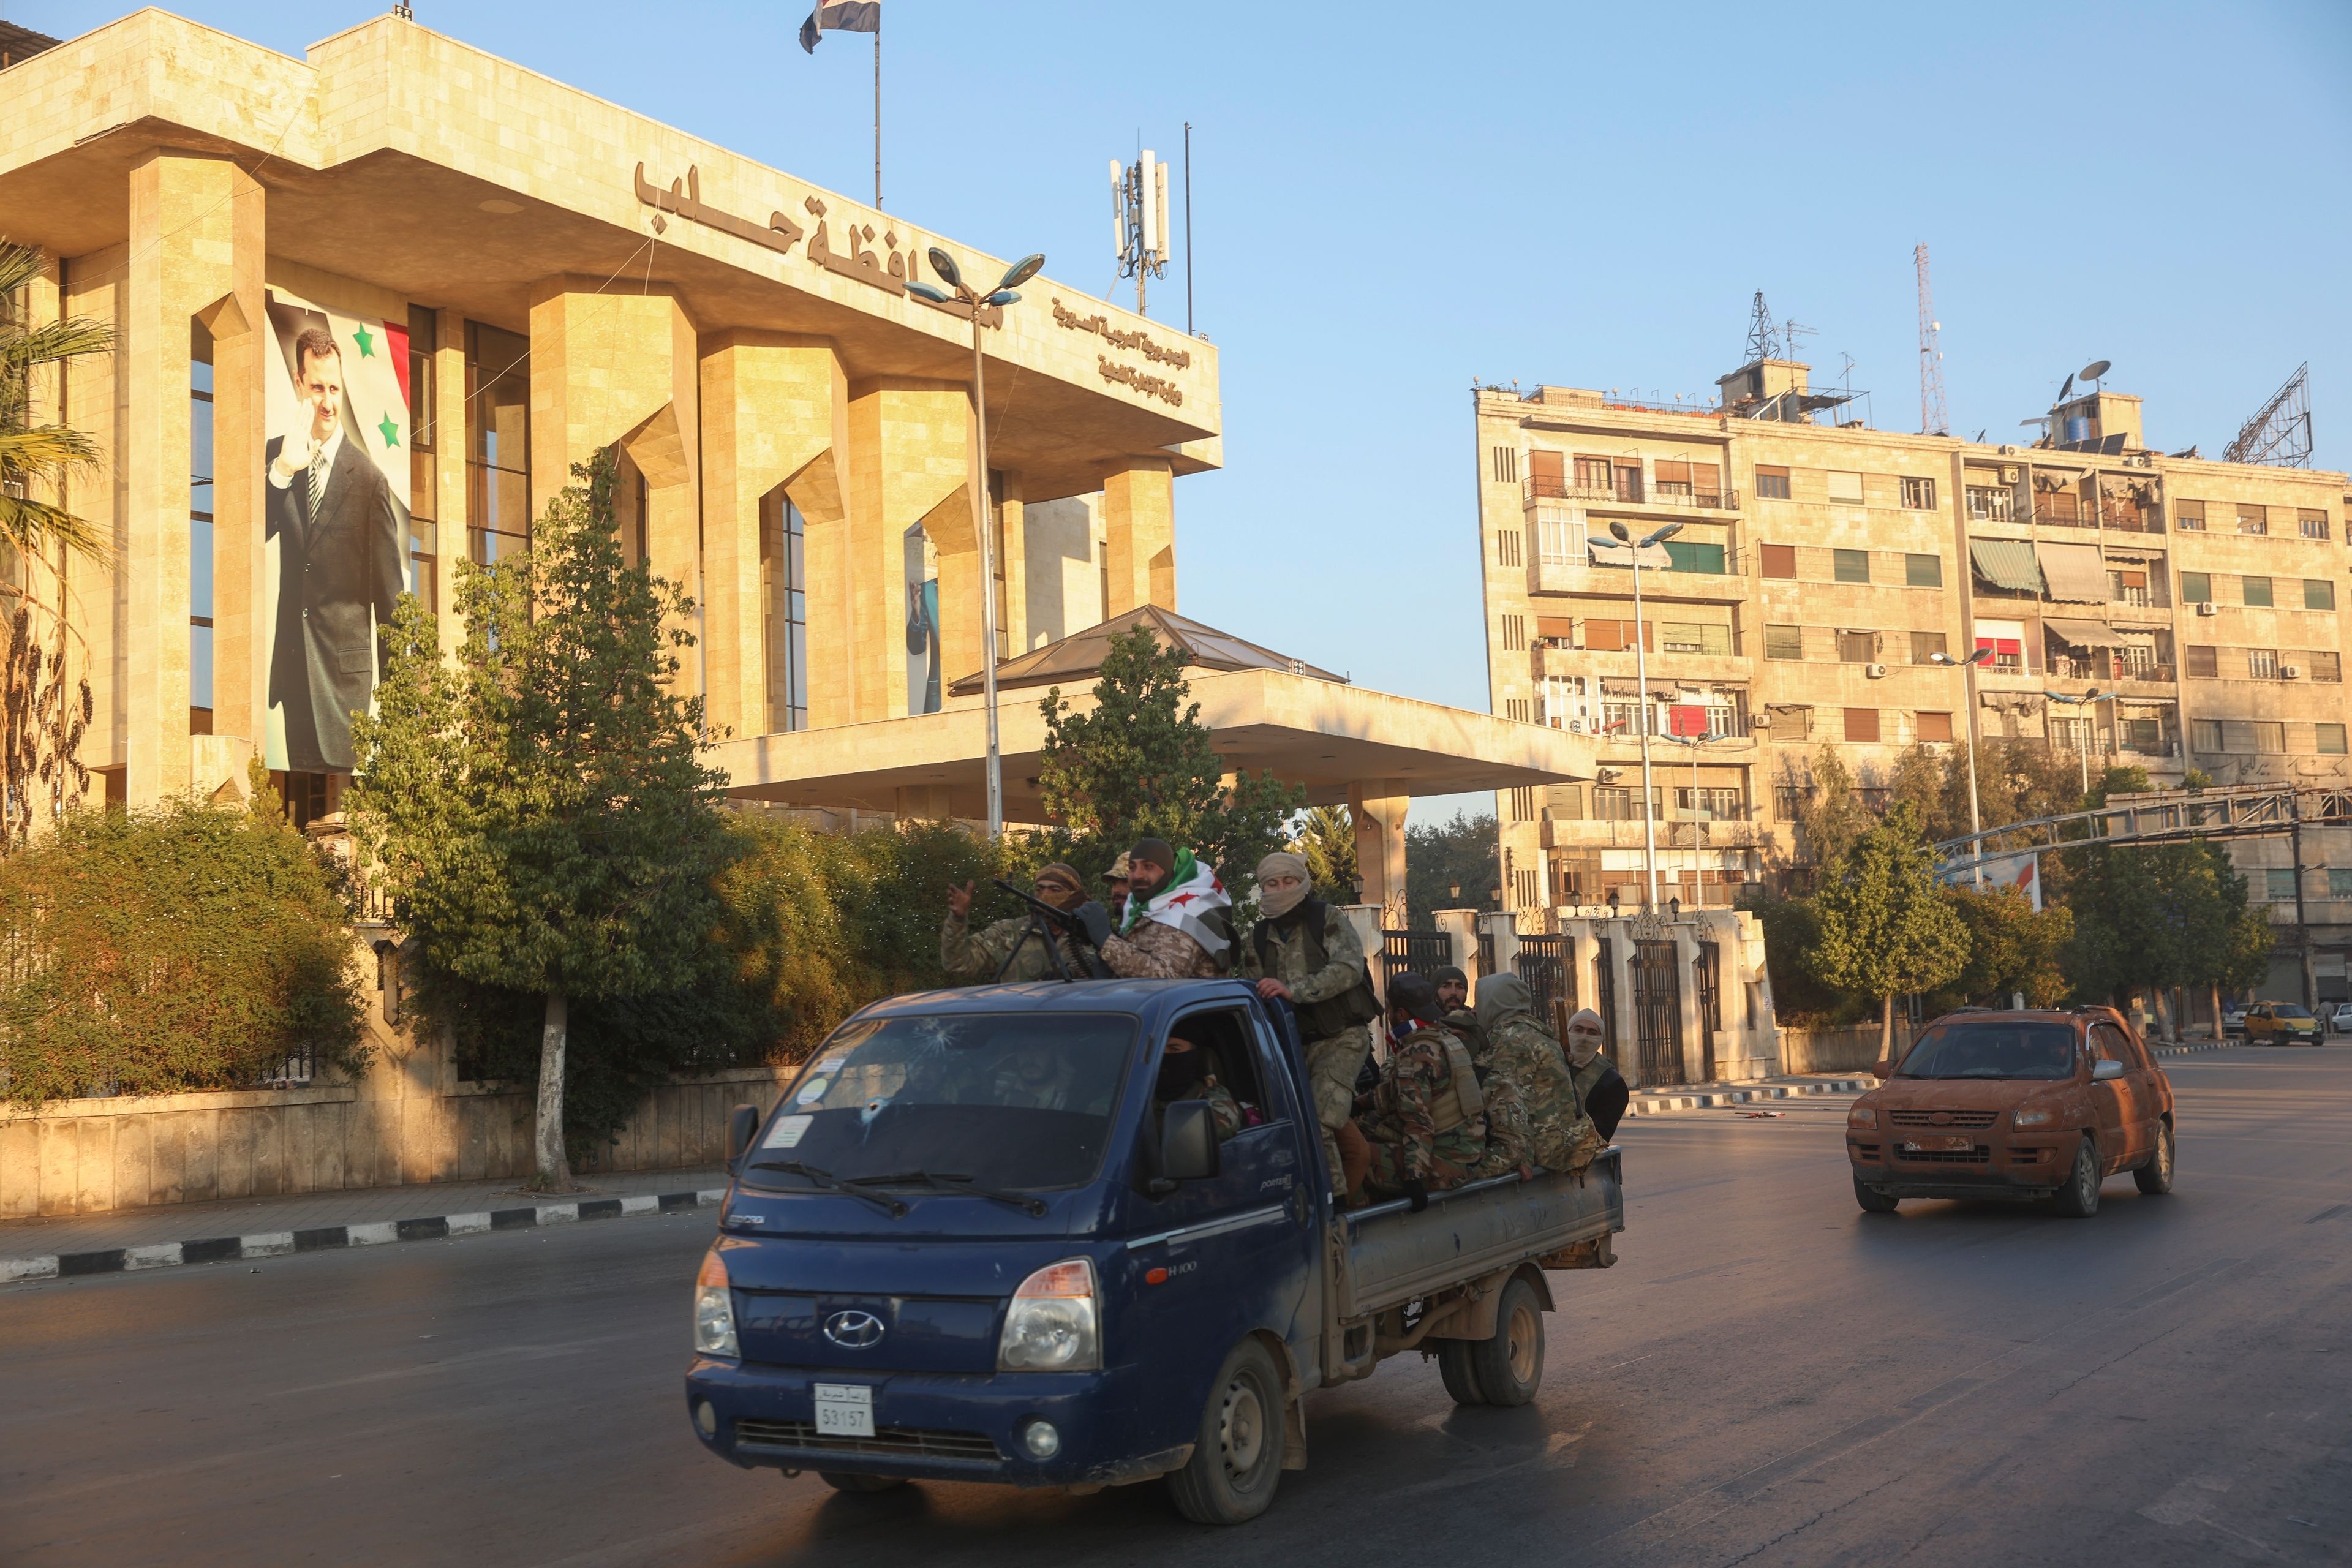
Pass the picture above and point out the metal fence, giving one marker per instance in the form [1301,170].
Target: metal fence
[1708,970]
[1604,989]
[1657,1012]
[1543,965]
[1417,951]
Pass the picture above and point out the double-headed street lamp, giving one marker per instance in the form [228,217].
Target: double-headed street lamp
[969,305]
[1968,668]
[1633,549]
[2084,751]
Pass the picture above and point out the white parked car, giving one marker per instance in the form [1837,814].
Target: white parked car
[2340,1020]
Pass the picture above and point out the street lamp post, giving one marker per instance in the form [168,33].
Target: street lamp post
[1968,668]
[969,304]
[2083,751]
[1641,686]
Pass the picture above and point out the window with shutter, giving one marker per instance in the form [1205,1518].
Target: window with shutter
[1852,565]
[1784,642]
[1857,648]
[2324,664]
[1861,724]
[1771,484]
[2196,588]
[1593,474]
[2254,591]
[1845,487]
[1779,560]
[2318,594]
[2202,663]
[1924,645]
[1923,571]
[2189,516]
[1545,473]
[1934,726]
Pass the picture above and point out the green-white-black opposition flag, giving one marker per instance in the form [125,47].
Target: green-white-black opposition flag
[841,17]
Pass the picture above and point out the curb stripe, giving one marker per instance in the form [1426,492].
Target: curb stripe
[327,1238]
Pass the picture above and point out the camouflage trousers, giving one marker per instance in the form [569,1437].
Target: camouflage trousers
[1451,1160]
[1331,1067]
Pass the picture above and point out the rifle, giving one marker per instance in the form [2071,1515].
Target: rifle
[1045,921]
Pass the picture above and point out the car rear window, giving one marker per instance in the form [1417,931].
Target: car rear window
[1989,1049]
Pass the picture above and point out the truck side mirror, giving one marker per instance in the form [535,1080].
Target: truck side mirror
[2106,1068]
[1188,1143]
[742,1126]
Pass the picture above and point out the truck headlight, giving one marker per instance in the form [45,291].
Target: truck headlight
[1054,1324]
[2034,1116]
[714,1310]
[1863,1116]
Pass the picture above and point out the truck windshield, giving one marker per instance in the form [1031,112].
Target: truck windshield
[1992,1050]
[1017,1100]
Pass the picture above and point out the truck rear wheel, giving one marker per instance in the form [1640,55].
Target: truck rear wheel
[1460,1377]
[847,1481]
[1236,1461]
[1509,1366]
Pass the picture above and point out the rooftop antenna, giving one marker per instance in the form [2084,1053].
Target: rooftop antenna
[1788,331]
[1763,338]
[2280,432]
[1935,419]
[1139,199]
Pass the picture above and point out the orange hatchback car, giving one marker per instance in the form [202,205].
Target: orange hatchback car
[2014,1105]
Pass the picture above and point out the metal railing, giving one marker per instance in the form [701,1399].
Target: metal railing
[1567,487]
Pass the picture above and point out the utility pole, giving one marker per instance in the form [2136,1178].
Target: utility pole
[2302,925]
[1934,419]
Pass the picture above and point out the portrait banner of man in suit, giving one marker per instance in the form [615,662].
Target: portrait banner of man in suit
[335,531]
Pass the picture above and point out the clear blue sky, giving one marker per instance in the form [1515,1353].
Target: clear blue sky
[1389,201]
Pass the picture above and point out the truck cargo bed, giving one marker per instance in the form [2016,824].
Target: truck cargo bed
[1395,1256]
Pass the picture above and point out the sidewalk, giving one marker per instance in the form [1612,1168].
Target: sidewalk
[304,1222]
[1716,1096]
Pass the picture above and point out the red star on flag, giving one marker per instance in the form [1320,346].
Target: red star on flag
[1182,899]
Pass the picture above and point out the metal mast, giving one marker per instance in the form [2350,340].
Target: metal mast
[1763,337]
[1934,418]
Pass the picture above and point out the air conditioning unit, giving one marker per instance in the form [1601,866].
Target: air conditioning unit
[1576,726]
[2290,672]
[1760,721]
[1875,671]
[2009,473]
[2205,607]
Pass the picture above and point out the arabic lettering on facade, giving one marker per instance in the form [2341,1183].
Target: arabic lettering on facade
[1157,386]
[1139,341]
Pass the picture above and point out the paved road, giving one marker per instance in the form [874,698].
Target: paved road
[1767,1378]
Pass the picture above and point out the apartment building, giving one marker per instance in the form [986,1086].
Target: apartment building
[1819,568]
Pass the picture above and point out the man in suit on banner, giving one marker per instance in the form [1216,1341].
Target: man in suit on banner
[330,511]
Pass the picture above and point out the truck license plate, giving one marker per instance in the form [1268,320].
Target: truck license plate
[844,1410]
[1954,1146]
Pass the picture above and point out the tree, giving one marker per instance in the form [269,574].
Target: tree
[2155,916]
[1463,853]
[1831,816]
[38,459]
[1140,765]
[2014,949]
[1326,839]
[540,811]
[1887,929]
[41,727]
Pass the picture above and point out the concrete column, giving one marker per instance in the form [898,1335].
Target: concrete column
[622,368]
[1378,807]
[1461,926]
[1695,1041]
[451,494]
[1503,930]
[906,465]
[1013,615]
[1139,513]
[1621,975]
[196,250]
[239,324]
[775,412]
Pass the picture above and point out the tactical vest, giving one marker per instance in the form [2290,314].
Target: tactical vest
[1461,1098]
[1334,1014]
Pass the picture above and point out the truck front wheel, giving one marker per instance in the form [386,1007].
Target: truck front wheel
[1509,1366]
[1237,1461]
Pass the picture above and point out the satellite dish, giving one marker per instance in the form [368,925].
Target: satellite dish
[2066,389]
[2095,369]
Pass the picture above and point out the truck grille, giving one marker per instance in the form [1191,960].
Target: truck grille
[1979,1155]
[916,1442]
[1964,1119]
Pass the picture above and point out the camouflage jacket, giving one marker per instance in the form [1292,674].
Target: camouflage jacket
[1509,1144]
[1343,958]
[1156,951]
[1224,1111]
[1464,1023]
[1416,1074]
[973,957]
[1529,1060]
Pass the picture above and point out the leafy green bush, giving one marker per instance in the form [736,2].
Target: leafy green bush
[189,948]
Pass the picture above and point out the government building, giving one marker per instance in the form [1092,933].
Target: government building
[1821,569]
[372,305]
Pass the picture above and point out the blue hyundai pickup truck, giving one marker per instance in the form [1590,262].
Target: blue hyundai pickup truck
[976,1241]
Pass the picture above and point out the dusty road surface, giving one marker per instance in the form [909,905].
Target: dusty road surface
[1769,1376]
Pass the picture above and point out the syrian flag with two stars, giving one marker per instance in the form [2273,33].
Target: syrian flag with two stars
[1193,891]
[841,17]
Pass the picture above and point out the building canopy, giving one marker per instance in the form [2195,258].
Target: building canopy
[2007,564]
[1078,658]
[2075,572]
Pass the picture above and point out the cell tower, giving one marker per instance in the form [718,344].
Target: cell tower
[2280,432]
[1763,337]
[1934,418]
[1139,222]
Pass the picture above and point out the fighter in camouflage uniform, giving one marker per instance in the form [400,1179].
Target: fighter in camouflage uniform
[1428,1124]
[1182,1076]
[1307,951]
[975,956]
[1520,1053]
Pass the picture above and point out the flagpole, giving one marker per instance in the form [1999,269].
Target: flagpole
[877,109]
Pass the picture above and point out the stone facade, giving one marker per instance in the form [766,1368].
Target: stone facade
[1817,568]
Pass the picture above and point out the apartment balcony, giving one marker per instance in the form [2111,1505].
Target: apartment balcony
[1727,663]
[1568,575]
[1621,833]
[2111,672]
[1672,499]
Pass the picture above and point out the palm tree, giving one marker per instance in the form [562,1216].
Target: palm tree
[36,460]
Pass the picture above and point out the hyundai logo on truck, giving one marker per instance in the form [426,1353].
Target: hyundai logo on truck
[854,1330]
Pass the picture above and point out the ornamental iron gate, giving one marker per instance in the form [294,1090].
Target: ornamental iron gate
[1545,969]
[1708,968]
[1420,951]
[1604,989]
[1657,1012]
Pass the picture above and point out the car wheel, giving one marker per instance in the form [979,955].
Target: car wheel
[1511,1364]
[848,1481]
[1237,1460]
[1872,1200]
[2079,1198]
[1460,1377]
[2155,1177]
